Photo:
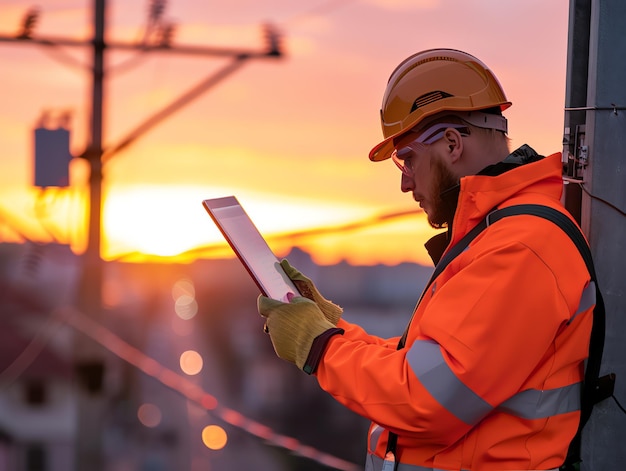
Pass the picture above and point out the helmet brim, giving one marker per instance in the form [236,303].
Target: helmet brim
[383,150]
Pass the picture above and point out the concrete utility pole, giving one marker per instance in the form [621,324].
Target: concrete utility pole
[595,136]
[89,357]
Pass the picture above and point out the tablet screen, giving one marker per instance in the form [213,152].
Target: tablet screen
[250,247]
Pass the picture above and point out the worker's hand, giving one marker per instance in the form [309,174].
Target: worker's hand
[331,311]
[293,326]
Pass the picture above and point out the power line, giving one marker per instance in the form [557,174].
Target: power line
[186,98]
[15,225]
[58,54]
[295,236]
[602,200]
[30,353]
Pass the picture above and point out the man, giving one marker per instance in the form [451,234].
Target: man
[487,375]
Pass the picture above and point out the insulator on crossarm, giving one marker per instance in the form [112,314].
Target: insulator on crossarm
[28,24]
[273,40]
[166,34]
[157,7]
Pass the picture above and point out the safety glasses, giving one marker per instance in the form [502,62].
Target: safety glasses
[403,156]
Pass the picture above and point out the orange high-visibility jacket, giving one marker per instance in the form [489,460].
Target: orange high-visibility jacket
[490,375]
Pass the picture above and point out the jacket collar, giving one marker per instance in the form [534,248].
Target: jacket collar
[476,195]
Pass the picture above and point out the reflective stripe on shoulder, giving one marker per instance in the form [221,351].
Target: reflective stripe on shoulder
[429,366]
[587,300]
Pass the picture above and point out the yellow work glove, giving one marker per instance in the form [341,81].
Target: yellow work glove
[331,311]
[293,327]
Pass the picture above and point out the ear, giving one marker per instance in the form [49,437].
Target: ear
[454,144]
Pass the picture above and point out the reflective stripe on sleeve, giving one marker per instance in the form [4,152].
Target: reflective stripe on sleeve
[536,404]
[374,463]
[431,369]
[429,366]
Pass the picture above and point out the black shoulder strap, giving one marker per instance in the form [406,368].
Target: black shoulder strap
[450,255]
[595,389]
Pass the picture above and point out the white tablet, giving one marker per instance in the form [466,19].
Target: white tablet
[250,247]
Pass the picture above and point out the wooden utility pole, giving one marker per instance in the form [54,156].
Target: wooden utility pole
[90,358]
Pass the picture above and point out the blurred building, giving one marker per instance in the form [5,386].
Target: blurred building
[37,398]
[204,311]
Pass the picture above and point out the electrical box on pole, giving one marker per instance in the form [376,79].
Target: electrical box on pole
[52,157]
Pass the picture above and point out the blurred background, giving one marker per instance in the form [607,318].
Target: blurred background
[130,337]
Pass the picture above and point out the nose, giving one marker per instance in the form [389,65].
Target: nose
[406,183]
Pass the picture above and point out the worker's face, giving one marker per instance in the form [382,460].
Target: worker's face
[426,176]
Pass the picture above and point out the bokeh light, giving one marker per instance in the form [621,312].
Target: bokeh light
[184,294]
[214,437]
[183,287]
[186,307]
[149,415]
[191,362]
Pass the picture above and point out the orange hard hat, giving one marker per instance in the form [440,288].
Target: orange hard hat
[432,81]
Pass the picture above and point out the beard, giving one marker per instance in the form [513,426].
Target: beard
[442,212]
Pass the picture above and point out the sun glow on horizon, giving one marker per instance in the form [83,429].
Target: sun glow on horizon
[167,221]
[273,128]
[168,224]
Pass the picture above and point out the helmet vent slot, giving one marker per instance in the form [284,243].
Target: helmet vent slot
[428,98]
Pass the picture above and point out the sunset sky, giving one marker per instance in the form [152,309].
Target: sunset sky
[289,137]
